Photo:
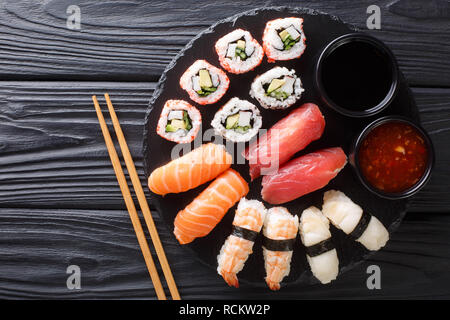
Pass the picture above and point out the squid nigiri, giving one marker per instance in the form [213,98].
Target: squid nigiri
[191,170]
[350,218]
[202,215]
[247,224]
[320,251]
[280,231]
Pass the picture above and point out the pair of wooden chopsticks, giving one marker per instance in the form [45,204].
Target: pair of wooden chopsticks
[142,202]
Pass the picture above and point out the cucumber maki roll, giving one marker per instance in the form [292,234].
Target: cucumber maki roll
[278,88]
[238,52]
[283,39]
[237,121]
[204,82]
[179,121]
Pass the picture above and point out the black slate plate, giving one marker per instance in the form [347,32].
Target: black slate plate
[320,29]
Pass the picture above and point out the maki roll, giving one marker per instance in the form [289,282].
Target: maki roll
[204,83]
[247,224]
[238,120]
[278,88]
[346,215]
[283,39]
[320,251]
[238,52]
[280,231]
[179,121]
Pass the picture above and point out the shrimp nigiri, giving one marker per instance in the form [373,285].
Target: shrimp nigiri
[247,223]
[280,230]
[204,213]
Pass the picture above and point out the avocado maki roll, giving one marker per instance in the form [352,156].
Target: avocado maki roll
[283,39]
[238,52]
[204,82]
[278,88]
[179,121]
[237,121]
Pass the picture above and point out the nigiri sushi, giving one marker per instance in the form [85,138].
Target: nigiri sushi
[288,136]
[247,224]
[280,231]
[204,82]
[320,251]
[191,170]
[202,215]
[350,218]
[303,175]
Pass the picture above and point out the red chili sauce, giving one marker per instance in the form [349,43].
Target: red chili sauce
[393,157]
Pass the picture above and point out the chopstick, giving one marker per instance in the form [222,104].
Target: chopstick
[130,204]
[143,202]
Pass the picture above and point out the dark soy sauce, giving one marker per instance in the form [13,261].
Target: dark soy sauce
[356,75]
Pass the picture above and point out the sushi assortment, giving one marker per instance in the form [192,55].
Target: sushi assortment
[238,120]
[271,155]
[278,88]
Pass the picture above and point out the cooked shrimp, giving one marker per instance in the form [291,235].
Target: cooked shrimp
[278,225]
[235,251]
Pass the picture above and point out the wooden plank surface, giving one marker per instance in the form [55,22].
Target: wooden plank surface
[37,246]
[135,40]
[53,154]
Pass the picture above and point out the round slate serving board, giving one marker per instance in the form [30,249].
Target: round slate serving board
[320,29]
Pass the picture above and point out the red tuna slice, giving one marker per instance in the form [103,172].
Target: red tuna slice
[288,136]
[303,175]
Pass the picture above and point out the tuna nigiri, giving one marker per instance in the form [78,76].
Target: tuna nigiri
[303,175]
[203,214]
[288,136]
[191,170]
[247,224]
[280,231]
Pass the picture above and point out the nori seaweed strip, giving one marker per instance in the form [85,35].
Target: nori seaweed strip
[244,233]
[319,248]
[278,245]
[361,226]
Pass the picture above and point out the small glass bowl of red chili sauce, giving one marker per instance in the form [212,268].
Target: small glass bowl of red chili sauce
[393,157]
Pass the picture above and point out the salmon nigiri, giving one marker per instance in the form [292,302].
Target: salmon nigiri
[203,214]
[191,170]
[247,224]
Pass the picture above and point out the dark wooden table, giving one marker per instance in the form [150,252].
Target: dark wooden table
[60,204]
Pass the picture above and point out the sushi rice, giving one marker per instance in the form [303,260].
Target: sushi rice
[179,121]
[238,120]
[204,82]
[239,52]
[284,39]
[287,88]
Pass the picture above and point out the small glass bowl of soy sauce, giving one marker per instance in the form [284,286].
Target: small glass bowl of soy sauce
[357,75]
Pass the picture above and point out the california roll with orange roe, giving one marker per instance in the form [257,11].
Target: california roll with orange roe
[204,82]
[239,52]
[179,121]
[284,39]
